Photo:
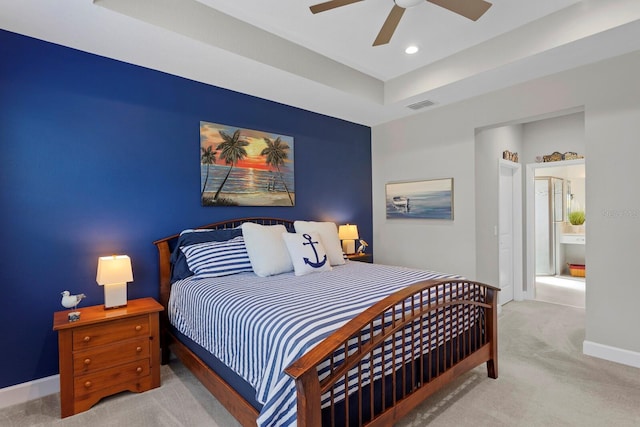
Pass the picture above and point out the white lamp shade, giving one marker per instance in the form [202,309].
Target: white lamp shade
[348,232]
[113,273]
[114,269]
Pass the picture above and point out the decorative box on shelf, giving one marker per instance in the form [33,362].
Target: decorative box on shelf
[577,270]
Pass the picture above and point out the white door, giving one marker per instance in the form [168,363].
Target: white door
[506,235]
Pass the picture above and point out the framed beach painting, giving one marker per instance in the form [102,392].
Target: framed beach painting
[245,167]
[429,199]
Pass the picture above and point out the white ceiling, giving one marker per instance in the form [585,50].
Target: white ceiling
[325,63]
[346,34]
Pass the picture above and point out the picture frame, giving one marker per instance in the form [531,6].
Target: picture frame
[426,199]
[245,167]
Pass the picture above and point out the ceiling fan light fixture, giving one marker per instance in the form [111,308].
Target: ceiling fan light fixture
[471,9]
[407,3]
[410,50]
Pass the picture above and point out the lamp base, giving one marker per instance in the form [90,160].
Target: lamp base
[349,246]
[115,295]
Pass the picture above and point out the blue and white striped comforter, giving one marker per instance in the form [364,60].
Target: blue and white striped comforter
[259,325]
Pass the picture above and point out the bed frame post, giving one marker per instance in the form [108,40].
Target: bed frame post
[309,409]
[165,290]
[492,330]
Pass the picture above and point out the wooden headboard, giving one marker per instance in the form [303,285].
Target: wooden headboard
[166,245]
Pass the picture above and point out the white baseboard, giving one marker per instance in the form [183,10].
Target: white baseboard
[21,393]
[613,354]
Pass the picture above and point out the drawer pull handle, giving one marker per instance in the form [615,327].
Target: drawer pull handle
[87,384]
[138,349]
[87,361]
[138,328]
[87,338]
[138,369]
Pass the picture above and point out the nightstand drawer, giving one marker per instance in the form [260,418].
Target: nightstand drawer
[118,330]
[110,355]
[111,377]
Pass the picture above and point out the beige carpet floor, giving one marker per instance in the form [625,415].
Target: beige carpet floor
[563,290]
[544,380]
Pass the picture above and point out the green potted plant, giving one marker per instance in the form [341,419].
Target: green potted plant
[576,219]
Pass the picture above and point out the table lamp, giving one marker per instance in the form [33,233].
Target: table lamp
[348,234]
[113,273]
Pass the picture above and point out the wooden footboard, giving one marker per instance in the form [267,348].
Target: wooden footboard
[398,352]
[388,359]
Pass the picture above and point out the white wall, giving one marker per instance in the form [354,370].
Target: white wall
[410,153]
[562,134]
[612,128]
[441,143]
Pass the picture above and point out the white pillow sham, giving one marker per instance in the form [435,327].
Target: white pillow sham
[267,251]
[307,253]
[328,232]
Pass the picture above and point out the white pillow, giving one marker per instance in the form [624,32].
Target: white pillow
[328,232]
[307,253]
[267,250]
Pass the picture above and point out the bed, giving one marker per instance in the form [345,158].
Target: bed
[346,344]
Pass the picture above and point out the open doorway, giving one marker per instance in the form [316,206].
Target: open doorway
[504,259]
[556,251]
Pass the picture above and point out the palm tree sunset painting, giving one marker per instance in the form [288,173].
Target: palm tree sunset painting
[244,167]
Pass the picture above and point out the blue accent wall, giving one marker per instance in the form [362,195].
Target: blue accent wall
[99,157]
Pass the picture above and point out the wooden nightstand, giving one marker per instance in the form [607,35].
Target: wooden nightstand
[362,257]
[106,352]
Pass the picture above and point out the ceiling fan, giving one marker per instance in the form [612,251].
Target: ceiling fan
[472,9]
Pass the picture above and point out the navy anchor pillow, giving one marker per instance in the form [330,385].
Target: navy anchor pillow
[306,252]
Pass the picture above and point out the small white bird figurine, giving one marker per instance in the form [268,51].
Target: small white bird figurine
[71,301]
[362,246]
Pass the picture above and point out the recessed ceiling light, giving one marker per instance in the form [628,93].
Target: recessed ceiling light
[407,3]
[411,50]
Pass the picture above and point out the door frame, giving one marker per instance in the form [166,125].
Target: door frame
[530,248]
[517,230]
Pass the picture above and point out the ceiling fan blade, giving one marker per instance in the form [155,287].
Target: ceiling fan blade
[332,4]
[389,26]
[472,9]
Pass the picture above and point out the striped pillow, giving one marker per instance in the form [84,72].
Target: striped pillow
[215,259]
